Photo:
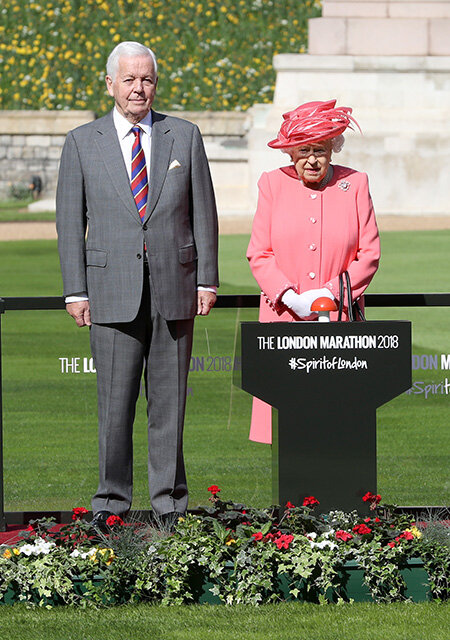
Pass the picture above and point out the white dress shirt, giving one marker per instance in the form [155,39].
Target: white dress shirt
[126,139]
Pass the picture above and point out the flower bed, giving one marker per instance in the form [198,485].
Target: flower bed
[231,554]
[212,55]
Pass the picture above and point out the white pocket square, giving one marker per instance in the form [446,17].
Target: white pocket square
[174,164]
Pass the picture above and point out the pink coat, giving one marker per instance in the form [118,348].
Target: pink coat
[303,239]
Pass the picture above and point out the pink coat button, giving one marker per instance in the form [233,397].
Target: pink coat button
[312,275]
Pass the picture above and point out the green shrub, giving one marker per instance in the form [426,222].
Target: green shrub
[212,55]
[19,191]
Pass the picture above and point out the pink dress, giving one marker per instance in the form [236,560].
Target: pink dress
[303,239]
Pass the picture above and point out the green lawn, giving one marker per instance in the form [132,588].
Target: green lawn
[16,211]
[50,417]
[268,622]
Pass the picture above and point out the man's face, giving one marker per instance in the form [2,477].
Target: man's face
[134,87]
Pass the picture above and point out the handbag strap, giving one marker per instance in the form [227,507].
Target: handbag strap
[341,297]
[349,297]
[354,310]
[357,309]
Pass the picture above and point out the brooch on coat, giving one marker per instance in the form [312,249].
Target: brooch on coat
[344,185]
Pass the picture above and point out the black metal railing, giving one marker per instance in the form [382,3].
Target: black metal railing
[246,300]
[235,301]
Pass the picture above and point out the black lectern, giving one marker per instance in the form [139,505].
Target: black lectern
[326,381]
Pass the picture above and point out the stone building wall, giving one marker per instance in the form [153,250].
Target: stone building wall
[31,144]
[390,61]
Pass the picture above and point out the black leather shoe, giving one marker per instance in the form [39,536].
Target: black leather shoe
[99,521]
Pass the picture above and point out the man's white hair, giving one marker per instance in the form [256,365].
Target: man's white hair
[128,48]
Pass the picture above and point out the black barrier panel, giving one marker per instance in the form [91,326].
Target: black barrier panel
[326,380]
[2,504]
[211,362]
[50,417]
[247,301]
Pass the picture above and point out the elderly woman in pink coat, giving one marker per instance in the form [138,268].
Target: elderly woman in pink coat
[314,220]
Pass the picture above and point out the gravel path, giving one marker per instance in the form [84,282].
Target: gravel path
[227,225]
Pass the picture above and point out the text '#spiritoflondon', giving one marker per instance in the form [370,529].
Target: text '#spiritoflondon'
[324,363]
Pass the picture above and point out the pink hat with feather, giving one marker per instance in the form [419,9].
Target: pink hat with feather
[311,122]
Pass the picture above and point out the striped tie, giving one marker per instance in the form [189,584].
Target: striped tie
[139,182]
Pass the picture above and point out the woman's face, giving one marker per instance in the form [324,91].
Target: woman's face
[312,161]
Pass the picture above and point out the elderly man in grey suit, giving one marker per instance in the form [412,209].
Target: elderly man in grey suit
[137,238]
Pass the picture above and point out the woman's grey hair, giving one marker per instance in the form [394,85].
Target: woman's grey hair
[336,145]
[130,49]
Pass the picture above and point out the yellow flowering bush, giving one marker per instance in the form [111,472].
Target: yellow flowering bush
[212,55]
[107,555]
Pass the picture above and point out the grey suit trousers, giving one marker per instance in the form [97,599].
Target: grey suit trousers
[121,351]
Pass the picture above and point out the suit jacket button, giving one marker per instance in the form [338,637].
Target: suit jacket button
[138,256]
[145,227]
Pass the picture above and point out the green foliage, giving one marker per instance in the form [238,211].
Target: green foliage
[212,55]
[19,191]
[266,556]
[437,528]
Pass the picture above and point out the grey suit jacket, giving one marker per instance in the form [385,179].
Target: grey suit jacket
[100,234]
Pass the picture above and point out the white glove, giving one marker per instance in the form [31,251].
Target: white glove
[301,303]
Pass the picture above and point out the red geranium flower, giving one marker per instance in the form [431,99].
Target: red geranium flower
[78,513]
[214,489]
[284,541]
[362,529]
[345,536]
[371,497]
[310,501]
[289,505]
[407,535]
[113,520]
[258,536]
[391,544]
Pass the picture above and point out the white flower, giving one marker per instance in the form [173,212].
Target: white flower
[323,544]
[76,553]
[40,546]
[27,549]
[224,62]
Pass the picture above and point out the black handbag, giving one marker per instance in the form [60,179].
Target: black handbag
[355,313]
